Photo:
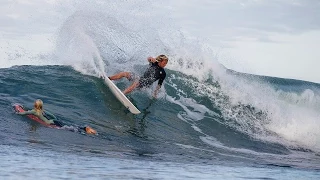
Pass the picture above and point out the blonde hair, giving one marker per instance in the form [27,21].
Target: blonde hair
[161,58]
[38,104]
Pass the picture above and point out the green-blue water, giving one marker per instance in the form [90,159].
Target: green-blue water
[178,136]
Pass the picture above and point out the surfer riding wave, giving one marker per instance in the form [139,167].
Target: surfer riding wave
[154,72]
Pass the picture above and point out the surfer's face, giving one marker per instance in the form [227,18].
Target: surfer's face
[162,63]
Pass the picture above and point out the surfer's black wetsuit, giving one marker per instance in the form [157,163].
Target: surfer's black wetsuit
[152,74]
[48,115]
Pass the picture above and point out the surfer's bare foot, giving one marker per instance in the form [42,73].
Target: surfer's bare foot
[89,130]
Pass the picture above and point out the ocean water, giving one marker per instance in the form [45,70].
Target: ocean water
[207,123]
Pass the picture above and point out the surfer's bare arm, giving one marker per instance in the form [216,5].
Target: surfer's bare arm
[51,116]
[152,60]
[44,119]
[48,121]
[159,85]
[156,91]
[26,112]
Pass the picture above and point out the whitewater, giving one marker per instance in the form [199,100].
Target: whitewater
[209,122]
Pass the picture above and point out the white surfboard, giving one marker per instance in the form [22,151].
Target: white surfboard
[121,97]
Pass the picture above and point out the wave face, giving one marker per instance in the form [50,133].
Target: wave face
[190,120]
[205,112]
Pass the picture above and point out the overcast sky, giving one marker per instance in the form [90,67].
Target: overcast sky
[268,37]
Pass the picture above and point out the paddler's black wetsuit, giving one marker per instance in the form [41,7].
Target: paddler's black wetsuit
[152,74]
[47,115]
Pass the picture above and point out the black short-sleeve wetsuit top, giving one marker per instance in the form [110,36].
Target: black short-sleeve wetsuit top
[152,74]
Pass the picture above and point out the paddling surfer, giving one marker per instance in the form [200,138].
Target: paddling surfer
[49,118]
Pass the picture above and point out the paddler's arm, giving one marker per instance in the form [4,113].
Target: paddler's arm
[26,112]
[48,117]
[33,112]
[51,116]
[48,121]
